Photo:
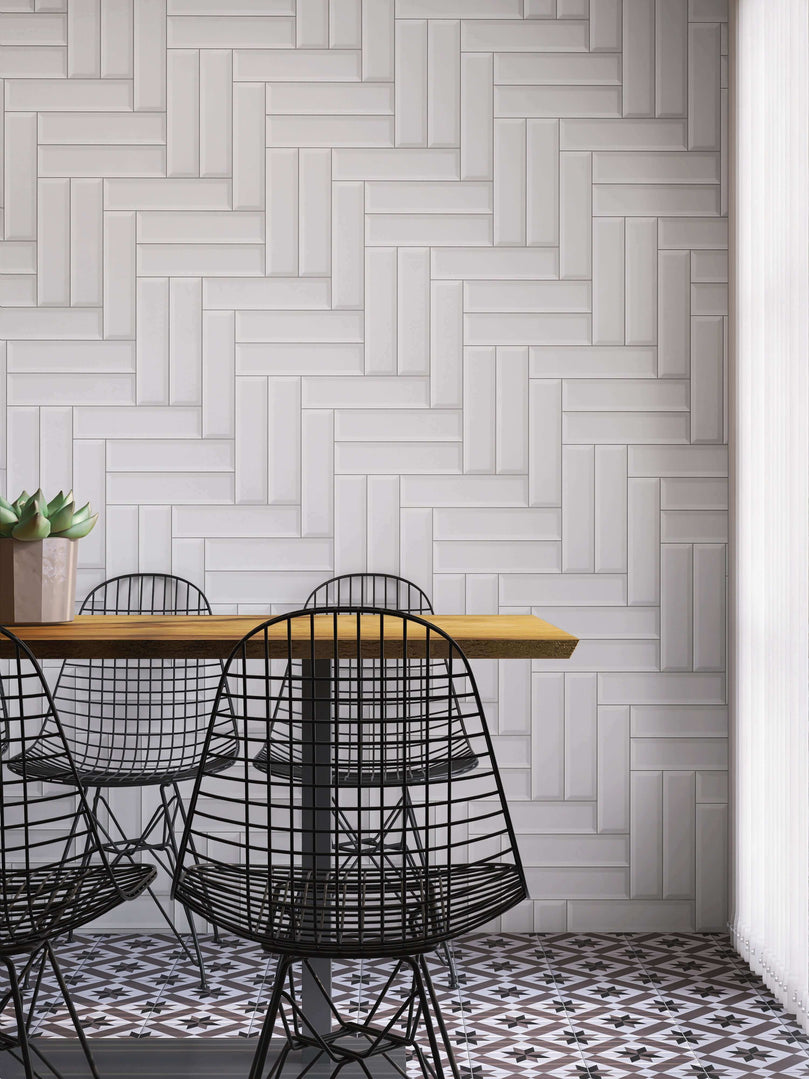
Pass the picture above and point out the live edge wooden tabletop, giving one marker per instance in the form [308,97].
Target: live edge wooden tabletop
[107,636]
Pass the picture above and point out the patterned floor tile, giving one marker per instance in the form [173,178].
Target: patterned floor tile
[586,1006]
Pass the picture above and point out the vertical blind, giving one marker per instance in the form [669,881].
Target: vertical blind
[770,493]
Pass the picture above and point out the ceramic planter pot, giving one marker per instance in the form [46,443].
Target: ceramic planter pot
[38,580]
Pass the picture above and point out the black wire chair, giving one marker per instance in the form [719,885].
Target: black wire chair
[385,590]
[139,723]
[350,741]
[54,873]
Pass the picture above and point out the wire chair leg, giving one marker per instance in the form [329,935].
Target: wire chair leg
[175,853]
[435,1010]
[265,1037]
[22,1020]
[57,970]
[192,846]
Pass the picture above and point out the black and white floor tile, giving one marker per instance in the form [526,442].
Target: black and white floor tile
[562,1005]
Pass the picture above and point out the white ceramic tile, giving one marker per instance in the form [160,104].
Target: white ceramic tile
[312,24]
[707,379]
[676,600]
[168,194]
[387,457]
[511,420]
[377,40]
[411,82]
[712,867]
[578,506]
[547,763]
[580,736]
[251,441]
[347,244]
[613,769]
[477,146]
[625,427]
[394,164]
[197,226]
[641,281]
[183,119]
[350,510]
[53,243]
[314,211]
[692,234]
[284,440]
[215,112]
[586,362]
[150,54]
[609,278]
[153,341]
[18,290]
[638,57]
[509,182]
[650,167]
[479,404]
[119,274]
[550,589]
[116,422]
[248,146]
[56,448]
[678,461]
[171,455]
[446,344]
[413,310]
[436,491]
[271,293]
[556,69]
[709,266]
[625,134]
[643,540]
[712,787]
[276,65]
[50,323]
[674,306]
[504,36]
[380,311]
[542,181]
[282,212]
[679,722]
[678,835]
[116,39]
[610,509]
[605,25]
[497,524]
[217,374]
[382,538]
[492,556]
[88,477]
[709,606]
[545,443]
[367,392]
[471,263]
[671,57]
[20,175]
[443,82]
[345,24]
[234,32]
[86,242]
[698,526]
[317,469]
[101,161]
[576,196]
[557,101]
[33,62]
[185,341]
[633,915]
[703,86]
[415,546]
[294,326]
[646,823]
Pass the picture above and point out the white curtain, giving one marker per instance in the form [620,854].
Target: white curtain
[770,493]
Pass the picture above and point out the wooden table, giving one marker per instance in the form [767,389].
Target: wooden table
[206,636]
[190,636]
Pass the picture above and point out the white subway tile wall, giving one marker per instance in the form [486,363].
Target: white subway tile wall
[432,287]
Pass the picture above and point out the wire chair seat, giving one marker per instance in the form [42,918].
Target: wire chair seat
[365,911]
[125,769]
[45,901]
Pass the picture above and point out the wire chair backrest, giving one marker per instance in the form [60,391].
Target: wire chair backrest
[371,590]
[359,749]
[45,828]
[131,718]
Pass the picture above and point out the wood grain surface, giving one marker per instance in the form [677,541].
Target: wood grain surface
[199,636]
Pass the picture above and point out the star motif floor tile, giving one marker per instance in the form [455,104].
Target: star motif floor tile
[565,1006]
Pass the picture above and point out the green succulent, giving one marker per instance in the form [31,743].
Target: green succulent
[31,517]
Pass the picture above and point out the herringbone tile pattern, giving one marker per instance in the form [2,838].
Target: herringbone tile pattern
[436,287]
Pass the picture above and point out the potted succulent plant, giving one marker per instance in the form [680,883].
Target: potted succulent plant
[38,556]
